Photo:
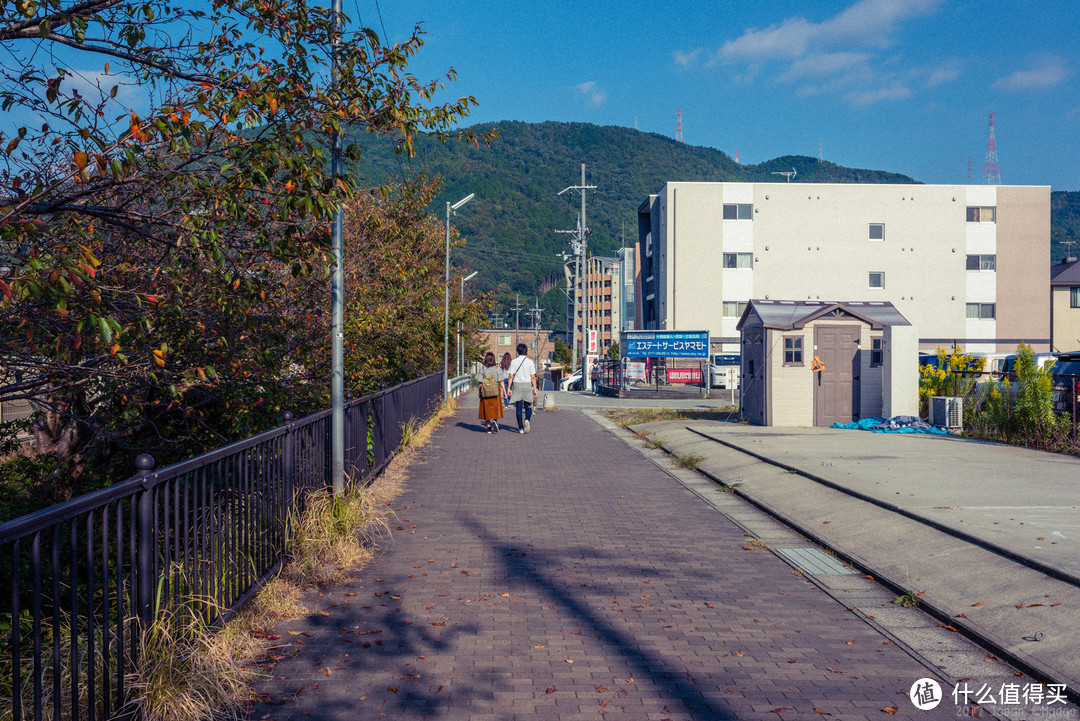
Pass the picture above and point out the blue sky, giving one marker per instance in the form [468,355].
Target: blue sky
[899,85]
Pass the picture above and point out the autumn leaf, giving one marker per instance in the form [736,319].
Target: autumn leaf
[551,689]
[891,710]
[976,605]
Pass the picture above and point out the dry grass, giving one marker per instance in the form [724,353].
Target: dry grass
[184,673]
[686,460]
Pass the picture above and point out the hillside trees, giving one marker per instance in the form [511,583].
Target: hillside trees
[394,273]
[163,184]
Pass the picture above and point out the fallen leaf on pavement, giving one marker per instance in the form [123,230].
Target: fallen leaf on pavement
[891,710]
[551,689]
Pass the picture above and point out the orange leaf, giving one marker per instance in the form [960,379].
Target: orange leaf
[891,710]
[81,160]
[823,713]
[976,605]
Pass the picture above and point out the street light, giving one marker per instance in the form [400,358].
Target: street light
[460,350]
[446,299]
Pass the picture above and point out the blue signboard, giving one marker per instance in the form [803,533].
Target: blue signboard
[666,344]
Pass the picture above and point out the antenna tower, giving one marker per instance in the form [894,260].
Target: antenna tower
[969,168]
[991,174]
[678,126]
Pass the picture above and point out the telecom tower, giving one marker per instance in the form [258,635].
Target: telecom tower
[678,126]
[991,174]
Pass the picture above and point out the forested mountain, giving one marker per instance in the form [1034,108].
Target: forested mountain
[510,226]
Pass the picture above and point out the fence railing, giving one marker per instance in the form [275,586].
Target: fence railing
[81,577]
[973,385]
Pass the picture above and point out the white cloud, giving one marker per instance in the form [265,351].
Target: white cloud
[686,58]
[1044,71]
[838,55]
[895,91]
[825,64]
[944,73]
[592,92]
[869,23]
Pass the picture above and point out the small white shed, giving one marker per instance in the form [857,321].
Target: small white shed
[815,363]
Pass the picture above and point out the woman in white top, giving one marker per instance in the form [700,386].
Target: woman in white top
[523,390]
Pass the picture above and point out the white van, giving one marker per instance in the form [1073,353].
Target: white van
[724,370]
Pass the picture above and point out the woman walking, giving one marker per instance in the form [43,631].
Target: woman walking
[504,375]
[523,391]
[491,407]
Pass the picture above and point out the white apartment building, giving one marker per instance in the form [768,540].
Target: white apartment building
[967,265]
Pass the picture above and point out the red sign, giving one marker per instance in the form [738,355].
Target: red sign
[683,375]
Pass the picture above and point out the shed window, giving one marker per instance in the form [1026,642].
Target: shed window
[877,353]
[1074,297]
[793,350]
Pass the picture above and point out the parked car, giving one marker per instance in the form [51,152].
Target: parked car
[571,382]
[1066,373]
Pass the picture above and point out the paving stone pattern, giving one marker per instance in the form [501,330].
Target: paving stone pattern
[558,575]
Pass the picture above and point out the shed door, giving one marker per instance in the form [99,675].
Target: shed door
[837,347]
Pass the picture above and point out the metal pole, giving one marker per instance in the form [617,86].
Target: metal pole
[585,279]
[337,300]
[446,313]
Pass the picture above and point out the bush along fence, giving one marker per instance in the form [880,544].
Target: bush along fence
[80,579]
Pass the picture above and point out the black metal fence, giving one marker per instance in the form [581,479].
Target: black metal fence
[81,576]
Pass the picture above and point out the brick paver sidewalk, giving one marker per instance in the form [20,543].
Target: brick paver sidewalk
[559,575]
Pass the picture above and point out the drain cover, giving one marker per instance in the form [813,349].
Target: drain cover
[814,562]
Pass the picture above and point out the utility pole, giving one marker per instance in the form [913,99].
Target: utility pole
[535,311]
[575,249]
[582,245]
[517,313]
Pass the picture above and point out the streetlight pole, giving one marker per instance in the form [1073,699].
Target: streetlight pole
[583,261]
[337,300]
[460,348]
[446,297]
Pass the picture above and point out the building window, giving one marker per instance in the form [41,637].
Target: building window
[504,339]
[734,308]
[877,231]
[793,350]
[738,211]
[738,260]
[982,311]
[1074,297]
[982,262]
[981,214]
[877,353]
[877,279]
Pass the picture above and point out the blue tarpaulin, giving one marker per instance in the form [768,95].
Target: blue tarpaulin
[896,424]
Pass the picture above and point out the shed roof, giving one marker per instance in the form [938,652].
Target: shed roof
[794,314]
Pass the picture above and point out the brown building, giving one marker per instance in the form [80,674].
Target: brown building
[501,341]
[603,301]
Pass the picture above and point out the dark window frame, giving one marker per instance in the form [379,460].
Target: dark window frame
[877,352]
[793,351]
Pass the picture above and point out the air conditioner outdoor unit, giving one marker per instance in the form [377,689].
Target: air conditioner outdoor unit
[947,411]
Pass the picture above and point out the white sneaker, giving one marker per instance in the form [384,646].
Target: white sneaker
[521,431]
[526,426]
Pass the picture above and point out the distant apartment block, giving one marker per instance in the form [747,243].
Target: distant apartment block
[966,265]
[603,294]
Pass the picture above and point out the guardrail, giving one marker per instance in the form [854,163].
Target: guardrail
[83,575]
[460,384]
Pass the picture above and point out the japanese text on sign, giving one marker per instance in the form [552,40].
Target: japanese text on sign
[667,344]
